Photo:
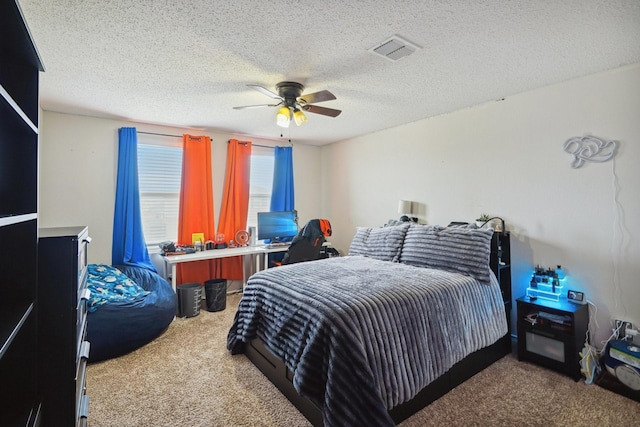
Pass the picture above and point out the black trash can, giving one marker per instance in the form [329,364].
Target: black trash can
[216,294]
[189,296]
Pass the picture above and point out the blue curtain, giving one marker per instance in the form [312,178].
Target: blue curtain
[129,246]
[282,194]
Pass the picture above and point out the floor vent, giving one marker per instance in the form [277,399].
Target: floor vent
[394,48]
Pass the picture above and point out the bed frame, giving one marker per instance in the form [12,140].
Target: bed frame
[276,371]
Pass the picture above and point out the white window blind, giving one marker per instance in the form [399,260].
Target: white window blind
[261,183]
[159,175]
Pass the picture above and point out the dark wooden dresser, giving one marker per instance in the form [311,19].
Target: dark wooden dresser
[63,296]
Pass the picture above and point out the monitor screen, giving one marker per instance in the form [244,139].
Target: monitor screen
[276,226]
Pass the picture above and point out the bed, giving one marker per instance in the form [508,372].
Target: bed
[370,338]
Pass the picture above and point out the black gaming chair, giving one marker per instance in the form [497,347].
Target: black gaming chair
[307,244]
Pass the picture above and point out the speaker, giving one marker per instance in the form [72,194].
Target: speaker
[252,236]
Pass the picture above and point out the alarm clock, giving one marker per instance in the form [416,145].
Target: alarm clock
[622,360]
[575,297]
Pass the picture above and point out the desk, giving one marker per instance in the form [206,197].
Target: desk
[248,253]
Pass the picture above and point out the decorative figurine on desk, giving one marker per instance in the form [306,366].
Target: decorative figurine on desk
[220,243]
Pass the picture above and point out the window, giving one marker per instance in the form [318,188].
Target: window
[261,183]
[159,175]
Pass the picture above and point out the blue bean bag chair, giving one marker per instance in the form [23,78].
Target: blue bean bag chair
[126,311]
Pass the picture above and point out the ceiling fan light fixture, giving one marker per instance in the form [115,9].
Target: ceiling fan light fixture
[293,105]
[299,117]
[283,117]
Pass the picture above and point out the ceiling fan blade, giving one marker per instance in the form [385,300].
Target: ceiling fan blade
[321,110]
[246,107]
[323,95]
[265,91]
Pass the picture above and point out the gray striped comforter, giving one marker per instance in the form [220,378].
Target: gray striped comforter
[362,335]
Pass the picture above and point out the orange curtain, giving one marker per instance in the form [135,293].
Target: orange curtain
[235,203]
[196,205]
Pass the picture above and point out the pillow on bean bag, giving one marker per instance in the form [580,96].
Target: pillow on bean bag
[108,284]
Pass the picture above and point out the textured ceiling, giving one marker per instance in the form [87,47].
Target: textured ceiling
[187,63]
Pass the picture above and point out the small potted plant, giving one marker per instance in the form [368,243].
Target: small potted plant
[482,219]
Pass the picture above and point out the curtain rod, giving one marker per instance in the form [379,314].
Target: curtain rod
[252,144]
[180,136]
[159,134]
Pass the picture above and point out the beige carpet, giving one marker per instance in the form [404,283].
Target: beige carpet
[188,378]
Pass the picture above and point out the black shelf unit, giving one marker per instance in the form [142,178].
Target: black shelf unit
[20,66]
[552,333]
[500,263]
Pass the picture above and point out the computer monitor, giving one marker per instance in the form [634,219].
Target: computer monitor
[276,226]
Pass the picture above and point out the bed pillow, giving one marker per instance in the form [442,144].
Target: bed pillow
[382,243]
[456,249]
[358,243]
[108,284]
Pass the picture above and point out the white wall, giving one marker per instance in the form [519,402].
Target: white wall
[505,158]
[78,159]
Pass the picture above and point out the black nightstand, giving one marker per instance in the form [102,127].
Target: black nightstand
[552,333]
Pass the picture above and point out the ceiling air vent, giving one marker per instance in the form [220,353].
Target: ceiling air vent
[394,48]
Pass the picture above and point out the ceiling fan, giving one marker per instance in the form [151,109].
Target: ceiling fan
[293,103]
